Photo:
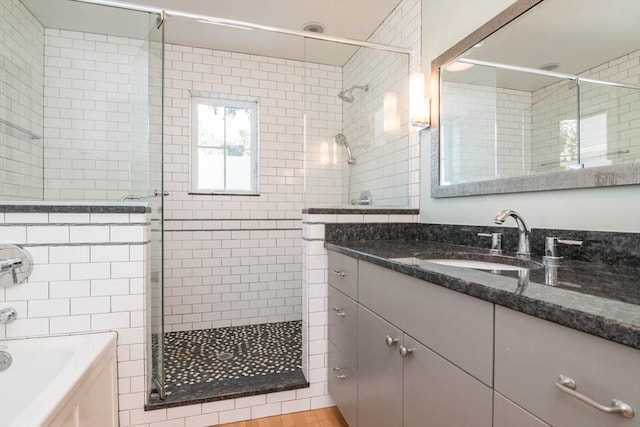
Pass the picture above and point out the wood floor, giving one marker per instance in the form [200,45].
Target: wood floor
[327,417]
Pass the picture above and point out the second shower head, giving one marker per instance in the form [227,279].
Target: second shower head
[342,140]
[347,95]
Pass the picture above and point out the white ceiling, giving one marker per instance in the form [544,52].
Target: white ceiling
[354,19]
[577,34]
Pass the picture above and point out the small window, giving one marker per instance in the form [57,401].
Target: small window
[224,146]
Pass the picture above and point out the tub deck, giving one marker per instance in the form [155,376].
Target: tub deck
[46,375]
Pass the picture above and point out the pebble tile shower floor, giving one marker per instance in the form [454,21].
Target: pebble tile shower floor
[213,364]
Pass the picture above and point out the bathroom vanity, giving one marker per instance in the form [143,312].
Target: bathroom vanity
[417,344]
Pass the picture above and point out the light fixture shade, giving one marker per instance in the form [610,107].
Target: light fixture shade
[418,105]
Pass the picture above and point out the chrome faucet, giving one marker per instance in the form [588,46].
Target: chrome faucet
[364,200]
[524,249]
[8,315]
[10,265]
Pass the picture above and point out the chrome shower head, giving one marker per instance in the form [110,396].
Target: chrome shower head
[342,140]
[347,95]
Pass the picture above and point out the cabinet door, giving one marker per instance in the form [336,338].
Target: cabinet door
[508,414]
[343,386]
[379,372]
[457,326]
[439,394]
[532,353]
[343,325]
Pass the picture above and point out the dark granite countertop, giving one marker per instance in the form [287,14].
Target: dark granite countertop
[355,210]
[602,300]
[74,207]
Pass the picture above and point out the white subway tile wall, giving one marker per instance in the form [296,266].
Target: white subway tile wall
[21,102]
[619,108]
[324,158]
[235,260]
[70,293]
[94,97]
[78,287]
[516,132]
[497,120]
[377,122]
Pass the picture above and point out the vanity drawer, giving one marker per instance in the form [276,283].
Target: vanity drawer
[343,325]
[532,353]
[343,385]
[456,326]
[343,274]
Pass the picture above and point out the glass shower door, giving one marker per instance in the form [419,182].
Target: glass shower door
[155,200]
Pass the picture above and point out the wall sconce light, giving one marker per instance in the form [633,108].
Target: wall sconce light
[419,106]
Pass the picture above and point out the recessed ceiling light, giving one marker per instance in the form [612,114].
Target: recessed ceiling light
[549,67]
[313,27]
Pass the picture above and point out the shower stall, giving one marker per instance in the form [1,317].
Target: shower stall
[110,118]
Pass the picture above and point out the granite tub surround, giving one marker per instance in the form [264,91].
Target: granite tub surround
[74,207]
[599,299]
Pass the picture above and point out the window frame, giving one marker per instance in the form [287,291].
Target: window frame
[214,101]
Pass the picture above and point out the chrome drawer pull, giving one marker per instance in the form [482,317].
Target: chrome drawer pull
[567,385]
[338,375]
[390,341]
[339,273]
[338,312]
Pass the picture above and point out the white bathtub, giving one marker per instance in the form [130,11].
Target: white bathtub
[67,381]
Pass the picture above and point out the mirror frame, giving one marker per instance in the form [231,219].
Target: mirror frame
[602,176]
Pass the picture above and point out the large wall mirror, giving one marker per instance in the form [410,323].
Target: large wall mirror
[544,96]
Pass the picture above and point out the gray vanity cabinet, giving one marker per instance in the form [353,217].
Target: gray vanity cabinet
[452,371]
[532,353]
[456,326]
[380,375]
[343,347]
[414,390]
[508,414]
[443,374]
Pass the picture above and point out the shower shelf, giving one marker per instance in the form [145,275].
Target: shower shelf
[20,129]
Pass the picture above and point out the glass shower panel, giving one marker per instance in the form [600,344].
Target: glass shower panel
[155,198]
[555,127]
[609,116]
[21,103]
[468,124]
[361,94]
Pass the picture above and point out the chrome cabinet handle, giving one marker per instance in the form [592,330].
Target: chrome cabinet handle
[338,312]
[390,341]
[404,351]
[336,372]
[568,385]
[339,273]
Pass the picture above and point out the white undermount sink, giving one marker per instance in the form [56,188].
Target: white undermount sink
[476,261]
[478,265]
